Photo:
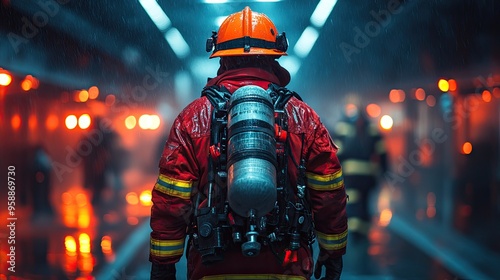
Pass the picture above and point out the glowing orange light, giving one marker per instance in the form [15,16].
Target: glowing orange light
[69,212]
[145,198]
[93,92]
[106,244]
[34,82]
[83,96]
[15,122]
[32,122]
[84,242]
[86,264]
[83,217]
[386,122]
[430,100]
[373,110]
[130,122]
[51,122]
[70,263]
[5,78]
[154,122]
[385,217]
[67,198]
[132,198]
[84,121]
[402,95]
[110,100]
[467,148]
[397,95]
[486,96]
[71,121]
[81,199]
[443,85]
[70,245]
[132,221]
[145,121]
[26,84]
[452,85]
[420,94]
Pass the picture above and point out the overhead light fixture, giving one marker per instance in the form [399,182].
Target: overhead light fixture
[215,1]
[156,13]
[219,20]
[177,42]
[306,42]
[322,12]
[235,1]
[290,63]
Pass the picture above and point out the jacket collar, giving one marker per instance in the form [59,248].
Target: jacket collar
[236,78]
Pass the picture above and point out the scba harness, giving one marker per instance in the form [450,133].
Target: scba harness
[248,157]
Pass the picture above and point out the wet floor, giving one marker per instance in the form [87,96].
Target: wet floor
[111,242]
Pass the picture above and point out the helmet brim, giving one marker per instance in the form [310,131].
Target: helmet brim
[253,51]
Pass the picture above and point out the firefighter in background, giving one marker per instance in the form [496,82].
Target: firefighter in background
[363,157]
[248,45]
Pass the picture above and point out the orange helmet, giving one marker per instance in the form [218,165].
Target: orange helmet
[247,33]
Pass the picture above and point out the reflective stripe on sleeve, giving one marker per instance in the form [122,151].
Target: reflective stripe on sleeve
[332,241]
[173,187]
[327,182]
[167,248]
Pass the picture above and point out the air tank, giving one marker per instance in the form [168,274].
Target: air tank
[251,152]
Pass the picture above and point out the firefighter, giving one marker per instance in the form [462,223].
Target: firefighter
[363,156]
[248,45]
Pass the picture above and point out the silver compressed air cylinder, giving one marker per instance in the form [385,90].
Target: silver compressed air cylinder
[251,152]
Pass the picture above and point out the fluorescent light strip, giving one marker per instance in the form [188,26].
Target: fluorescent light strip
[219,20]
[177,42]
[290,63]
[227,1]
[156,13]
[215,1]
[322,12]
[306,42]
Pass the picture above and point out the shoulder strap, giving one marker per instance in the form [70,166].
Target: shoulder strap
[218,96]
[281,95]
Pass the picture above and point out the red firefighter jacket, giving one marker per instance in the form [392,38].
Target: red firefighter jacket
[183,173]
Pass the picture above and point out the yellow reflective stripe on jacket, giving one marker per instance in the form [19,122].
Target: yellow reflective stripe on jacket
[332,241]
[359,167]
[166,248]
[253,276]
[173,187]
[327,182]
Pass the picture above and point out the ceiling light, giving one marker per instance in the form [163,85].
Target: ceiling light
[215,1]
[219,20]
[290,63]
[177,43]
[322,12]
[156,14]
[306,42]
